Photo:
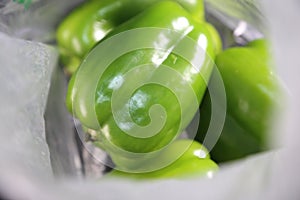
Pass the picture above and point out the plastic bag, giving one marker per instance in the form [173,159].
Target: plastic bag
[26,69]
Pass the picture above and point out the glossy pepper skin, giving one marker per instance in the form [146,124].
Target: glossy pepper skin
[90,22]
[193,162]
[252,91]
[148,95]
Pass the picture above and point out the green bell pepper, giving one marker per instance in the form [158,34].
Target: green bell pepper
[252,91]
[90,22]
[111,133]
[194,162]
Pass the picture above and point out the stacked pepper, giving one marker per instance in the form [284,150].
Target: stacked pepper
[92,21]
[92,25]
[252,90]
[194,162]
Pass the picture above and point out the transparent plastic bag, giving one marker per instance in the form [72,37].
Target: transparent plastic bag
[27,69]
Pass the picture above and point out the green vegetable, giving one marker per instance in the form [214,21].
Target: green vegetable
[252,91]
[216,38]
[91,22]
[177,113]
[26,3]
[190,158]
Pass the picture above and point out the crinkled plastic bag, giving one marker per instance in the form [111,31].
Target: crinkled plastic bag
[29,69]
